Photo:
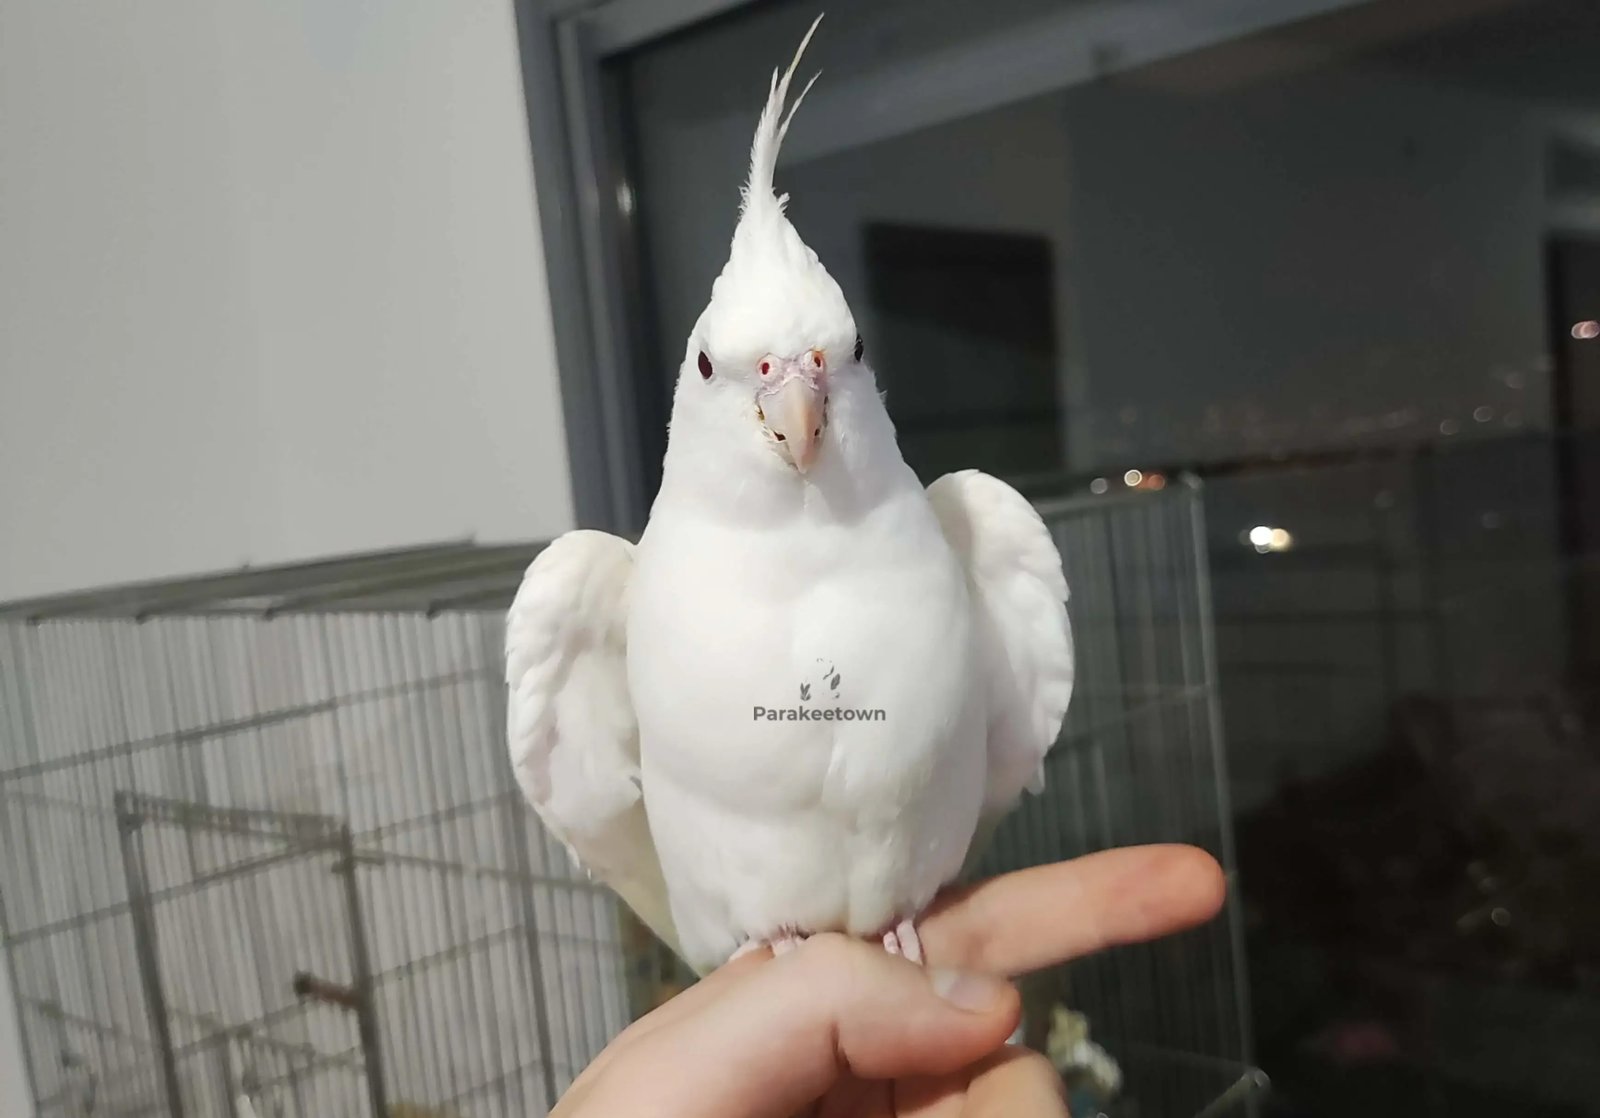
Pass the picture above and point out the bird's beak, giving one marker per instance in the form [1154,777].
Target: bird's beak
[795,411]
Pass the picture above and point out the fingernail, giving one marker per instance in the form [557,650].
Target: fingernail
[972,992]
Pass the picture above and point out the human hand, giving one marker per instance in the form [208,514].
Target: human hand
[840,1029]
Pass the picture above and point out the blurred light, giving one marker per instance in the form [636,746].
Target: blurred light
[1155,481]
[1483,413]
[1449,427]
[625,199]
[1586,330]
[1501,917]
[1265,538]
[1513,419]
[1132,477]
[1098,485]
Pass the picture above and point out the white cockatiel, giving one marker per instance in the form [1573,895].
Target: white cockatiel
[794,703]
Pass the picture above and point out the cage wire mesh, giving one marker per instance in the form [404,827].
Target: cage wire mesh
[261,852]
[1140,759]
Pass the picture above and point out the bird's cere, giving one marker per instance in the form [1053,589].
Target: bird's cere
[793,403]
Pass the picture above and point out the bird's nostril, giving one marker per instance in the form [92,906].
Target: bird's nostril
[782,439]
[817,433]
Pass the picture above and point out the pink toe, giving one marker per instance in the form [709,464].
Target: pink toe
[910,942]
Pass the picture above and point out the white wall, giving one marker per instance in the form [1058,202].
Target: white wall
[271,286]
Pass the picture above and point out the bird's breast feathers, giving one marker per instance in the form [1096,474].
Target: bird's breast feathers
[798,668]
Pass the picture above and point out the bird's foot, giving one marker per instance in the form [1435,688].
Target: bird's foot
[902,939]
[781,943]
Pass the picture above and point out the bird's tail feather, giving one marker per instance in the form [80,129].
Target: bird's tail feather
[771,129]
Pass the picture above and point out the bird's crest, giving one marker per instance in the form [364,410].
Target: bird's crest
[770,130]
[773,295]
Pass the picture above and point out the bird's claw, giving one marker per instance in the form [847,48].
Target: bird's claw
[781,944]
[902,940]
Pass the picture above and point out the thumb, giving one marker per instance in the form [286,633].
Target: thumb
[837,1006]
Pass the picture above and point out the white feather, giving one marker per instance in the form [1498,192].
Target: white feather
[1014,571]
[573,739]
[772,128]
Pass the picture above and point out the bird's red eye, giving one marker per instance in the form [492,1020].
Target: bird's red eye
[705,365]
[766,367]
[816,359]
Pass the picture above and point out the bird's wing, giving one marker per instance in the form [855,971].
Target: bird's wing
[1019,596]
[570,722]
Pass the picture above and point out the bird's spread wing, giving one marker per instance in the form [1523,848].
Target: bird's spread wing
[1020,602]
[573,737]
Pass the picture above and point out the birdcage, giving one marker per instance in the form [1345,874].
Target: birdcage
[1141,760]
[261,853]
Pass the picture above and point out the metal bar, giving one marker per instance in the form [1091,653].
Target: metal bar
[516,823]
[361,964]
[400,826]
[348,1060]
[177,737]
[144,937]
[457,754]
[471,869]
[125,600]
[16,992]
[498,598]
[512,558]
[231,727]
[11,681]
[54,1010]
[436,565]
[224,1061]
[84,919]
[429,900]
[1229,857]
[457,950]
[311,832]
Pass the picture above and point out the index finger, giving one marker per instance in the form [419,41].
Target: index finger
[1043,916]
